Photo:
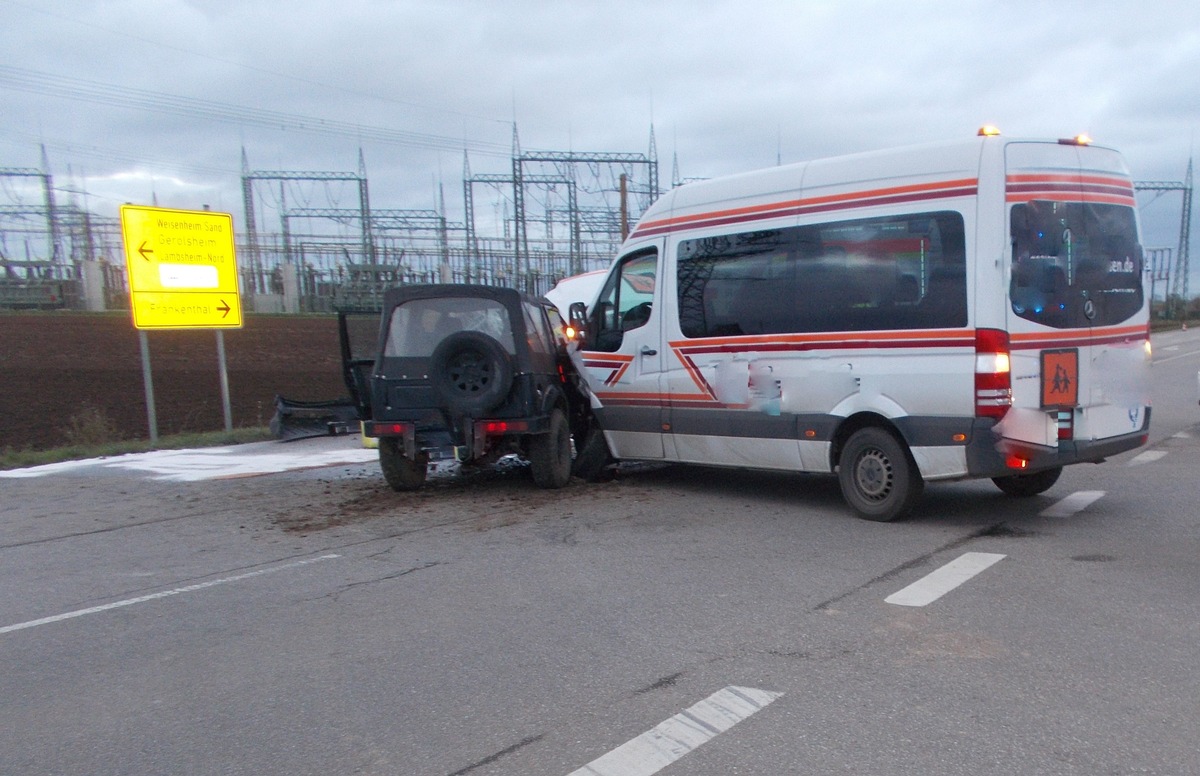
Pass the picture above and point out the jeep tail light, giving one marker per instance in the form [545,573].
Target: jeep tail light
[993,373]
[497,427]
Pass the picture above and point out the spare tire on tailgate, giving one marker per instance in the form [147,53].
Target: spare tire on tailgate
[470,372]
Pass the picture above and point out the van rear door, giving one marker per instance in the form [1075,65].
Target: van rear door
[1077,313]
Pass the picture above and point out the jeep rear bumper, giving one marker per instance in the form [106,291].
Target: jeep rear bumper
[475,440]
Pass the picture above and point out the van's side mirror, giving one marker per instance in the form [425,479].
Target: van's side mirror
[577,318]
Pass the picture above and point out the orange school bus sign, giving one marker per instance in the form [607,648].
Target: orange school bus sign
[182,268]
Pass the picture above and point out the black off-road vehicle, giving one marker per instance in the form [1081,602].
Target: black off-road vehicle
[470,374]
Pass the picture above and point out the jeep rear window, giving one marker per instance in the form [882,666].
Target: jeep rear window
[419,325]
[1075,264]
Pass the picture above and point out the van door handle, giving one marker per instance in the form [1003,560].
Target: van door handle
[648,351]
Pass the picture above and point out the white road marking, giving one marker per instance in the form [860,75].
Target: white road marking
[1176,357]
[1150,456]
[935,585]
[208,463]
[164,594]
[1072,503]
[667,742]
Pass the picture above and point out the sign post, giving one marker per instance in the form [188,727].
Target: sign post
[182,271]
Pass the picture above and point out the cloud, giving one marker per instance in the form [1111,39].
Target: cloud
[727,87]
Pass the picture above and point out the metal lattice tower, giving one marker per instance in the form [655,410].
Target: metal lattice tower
[249,178]
[566,166]
[48,211]
[1179,290]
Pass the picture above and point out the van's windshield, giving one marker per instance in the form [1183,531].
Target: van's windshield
[1075,264]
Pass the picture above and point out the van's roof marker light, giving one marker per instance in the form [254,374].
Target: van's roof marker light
[989,130]
[1079,140]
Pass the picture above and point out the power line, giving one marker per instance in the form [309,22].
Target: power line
[192,52]
[111,94]
[68,148]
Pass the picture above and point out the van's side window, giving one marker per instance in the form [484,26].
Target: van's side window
[626,301]
[898,272]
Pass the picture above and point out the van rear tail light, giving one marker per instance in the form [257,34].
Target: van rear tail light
[993,374]
[1066,424]
[1016,462]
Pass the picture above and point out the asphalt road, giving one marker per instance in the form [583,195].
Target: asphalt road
[187,613]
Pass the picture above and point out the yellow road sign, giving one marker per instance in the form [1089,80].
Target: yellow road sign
[182,268]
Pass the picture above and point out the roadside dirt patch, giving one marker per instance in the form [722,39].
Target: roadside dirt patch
[479,501]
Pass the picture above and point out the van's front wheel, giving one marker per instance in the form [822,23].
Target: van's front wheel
[878,477]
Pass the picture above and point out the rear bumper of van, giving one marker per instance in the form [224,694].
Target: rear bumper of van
[990,455]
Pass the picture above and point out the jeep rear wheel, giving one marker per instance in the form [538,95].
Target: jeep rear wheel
[401,473]
[470,372]
[550,453]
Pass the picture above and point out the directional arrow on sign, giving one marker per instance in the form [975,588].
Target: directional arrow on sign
[142,249]
[224,308]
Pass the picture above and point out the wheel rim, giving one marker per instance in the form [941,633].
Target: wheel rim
[874,475]
[470,372]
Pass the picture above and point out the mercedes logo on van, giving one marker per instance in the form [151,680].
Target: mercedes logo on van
[1089,309]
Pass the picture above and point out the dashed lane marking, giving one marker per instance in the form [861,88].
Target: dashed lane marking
[1177,356]
[936,584]
[665,743]
[1073,503]
[164,594]
[1150,456]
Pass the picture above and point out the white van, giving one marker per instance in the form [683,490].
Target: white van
[962,310]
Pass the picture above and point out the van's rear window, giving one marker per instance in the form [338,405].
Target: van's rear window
[1075,264]
[897,272]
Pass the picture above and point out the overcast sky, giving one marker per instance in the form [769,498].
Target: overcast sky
[142,99]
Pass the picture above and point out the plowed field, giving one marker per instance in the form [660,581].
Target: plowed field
[62,371]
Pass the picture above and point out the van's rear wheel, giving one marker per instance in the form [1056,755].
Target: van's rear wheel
[1025,485]
[878,476]
[401,473]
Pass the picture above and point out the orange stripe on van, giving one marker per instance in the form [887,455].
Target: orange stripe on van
[856,199]
[1075,338]
[1069,187]
[1073,178]
[706,397]
[884,339]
